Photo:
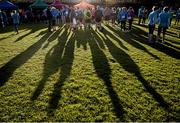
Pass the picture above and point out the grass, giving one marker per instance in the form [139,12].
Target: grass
[88,75]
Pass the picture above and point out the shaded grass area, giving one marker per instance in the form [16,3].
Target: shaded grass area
[88,75]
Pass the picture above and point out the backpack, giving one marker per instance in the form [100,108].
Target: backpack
[88,14]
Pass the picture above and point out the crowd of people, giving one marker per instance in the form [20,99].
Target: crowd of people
[164,19]
[78,18]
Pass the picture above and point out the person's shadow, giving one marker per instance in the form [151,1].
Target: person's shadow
[130,39]
[8,69]
[33,30]
[141,37]
[65,71]
[53,61]
[81,40]
[129,65]
[103,71]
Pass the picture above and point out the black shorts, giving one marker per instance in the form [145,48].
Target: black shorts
[151,29]
[53,22]
[160,30]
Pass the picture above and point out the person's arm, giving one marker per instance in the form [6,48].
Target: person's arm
[159,19]
[169,18]
[149,17]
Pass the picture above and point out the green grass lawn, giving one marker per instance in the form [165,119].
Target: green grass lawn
[88,75]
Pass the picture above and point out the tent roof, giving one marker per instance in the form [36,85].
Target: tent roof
[7,5]
[39,4]
[57,4]
[84,4]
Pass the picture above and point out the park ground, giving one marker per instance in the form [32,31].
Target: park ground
[88,75]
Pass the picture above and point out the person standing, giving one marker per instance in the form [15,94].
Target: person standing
[145,14]
[107,14]
[113,16]
[80,17]
[130,17]
[118,13]
[140,14]
[98,18]
[171,12]
[63,15]
[87,18]
[49,18]
[93,15]
[16,18]
[72,17]
[58,18]
[164,23]
[123,17]
[177,17]
[54,13]
[152,20]
[118,10]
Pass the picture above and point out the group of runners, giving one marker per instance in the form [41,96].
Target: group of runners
[163,19]
[78,18]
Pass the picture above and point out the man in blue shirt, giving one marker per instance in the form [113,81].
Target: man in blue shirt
[140,14]
[152,20]
[16,18]
[164,22]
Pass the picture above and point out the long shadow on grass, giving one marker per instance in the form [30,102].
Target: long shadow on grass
[140,35]
[173,41]
[129,65]
[116,37]
[65,71]
[129,39]
[103,71]
[81,41]
[173,46]
[12,35]
[8,69]
[59,32]
[33,30]
[52,61]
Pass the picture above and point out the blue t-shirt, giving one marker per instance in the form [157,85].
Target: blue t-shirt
[152,19]
[16,18]
[122,16]
[54,12]
[164,19]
